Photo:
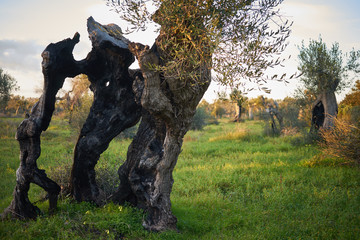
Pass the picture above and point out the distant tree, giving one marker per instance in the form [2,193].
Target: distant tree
[291,110]
[8,84]
[353,98]
[253,106]
[350,106]
[218,109]
[272,108]
[18,104]
[77,101]
[236,96]
[324,73]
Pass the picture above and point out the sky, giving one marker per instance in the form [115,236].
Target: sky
[27,27]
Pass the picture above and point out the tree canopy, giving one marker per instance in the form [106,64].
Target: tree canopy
[324,69]
[238,37]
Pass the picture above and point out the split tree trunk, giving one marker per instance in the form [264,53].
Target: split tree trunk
[58,63]
[324,111]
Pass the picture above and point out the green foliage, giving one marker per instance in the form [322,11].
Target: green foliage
[194,34]
[199,119]
[7,85]
[239,185]
[323,69]
[217,109]
[290,110]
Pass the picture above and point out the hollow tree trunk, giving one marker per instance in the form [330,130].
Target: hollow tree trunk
[324,111]
[58,63]
[113,110]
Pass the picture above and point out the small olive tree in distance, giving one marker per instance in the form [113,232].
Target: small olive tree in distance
[237,39]
[236,96]
[324,73]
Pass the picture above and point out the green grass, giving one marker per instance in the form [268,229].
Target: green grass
[231,182]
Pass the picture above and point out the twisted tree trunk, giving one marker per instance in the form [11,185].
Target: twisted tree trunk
[113,110]
[169,106]
[58,63]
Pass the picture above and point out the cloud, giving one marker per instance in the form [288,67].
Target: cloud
[22,56]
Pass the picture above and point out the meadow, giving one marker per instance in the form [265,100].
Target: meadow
[231,182]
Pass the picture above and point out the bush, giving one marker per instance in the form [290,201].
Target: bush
[200,119]
[343,141]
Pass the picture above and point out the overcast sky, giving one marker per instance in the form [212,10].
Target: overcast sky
[27,27]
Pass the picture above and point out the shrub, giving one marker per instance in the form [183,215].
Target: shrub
[200,119]
[343,141]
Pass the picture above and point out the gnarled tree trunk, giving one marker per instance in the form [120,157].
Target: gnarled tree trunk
[324,111]
[113,110]
[169,106]
[58,63]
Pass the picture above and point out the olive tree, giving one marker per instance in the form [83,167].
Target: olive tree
[234,38]
[324,73]
[236,96]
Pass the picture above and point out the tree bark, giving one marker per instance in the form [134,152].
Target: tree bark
[113,110]
[238,116]
[58,63]
[324,111]
[168,108]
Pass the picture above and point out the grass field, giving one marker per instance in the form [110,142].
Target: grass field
[231,182]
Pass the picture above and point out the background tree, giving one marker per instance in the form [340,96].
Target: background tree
[323,74]
[78,101]
[8,84]
[350,106]
[18,104]
[237,97]
[218,108]
[292,110]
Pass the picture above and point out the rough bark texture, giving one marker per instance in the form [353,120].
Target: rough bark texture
[58,63]
[324,111]
[113,110]
[168,108]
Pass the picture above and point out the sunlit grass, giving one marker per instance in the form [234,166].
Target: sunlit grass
[231,182]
